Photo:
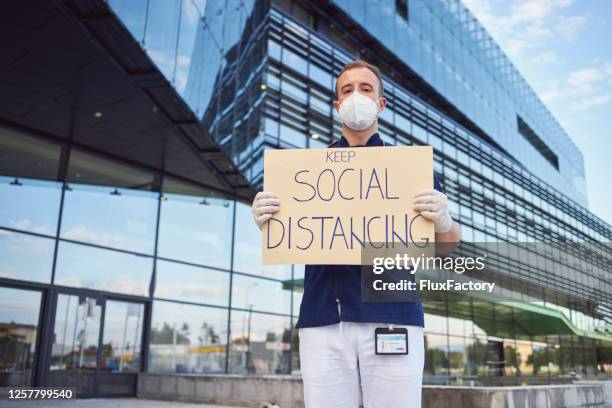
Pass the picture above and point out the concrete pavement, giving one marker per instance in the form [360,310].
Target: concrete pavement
[105,403]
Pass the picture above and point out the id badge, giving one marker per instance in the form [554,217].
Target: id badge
[391,340]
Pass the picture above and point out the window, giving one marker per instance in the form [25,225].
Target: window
[25,256]
[320,76]
[195,227]
[75,342]
[16,212]
[191,283]
[295,61]
[18,331]
[161,42]
[122,338]
[292,136]
[110,217]
[537,142]
[247,251]
[401,6]
[187,338]
[84,266]
[114,206]
[259,344]
[274,50]
[251,293]
[436,354]
[27,156]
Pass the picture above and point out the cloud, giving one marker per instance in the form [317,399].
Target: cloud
[583,88]
[571,26]
[591,102]
[588,76]
[536,10]
[545,57]
[82,233]
[24,243]
[524,26]
[109,284]
[26,225]
[202,291]
[22,224]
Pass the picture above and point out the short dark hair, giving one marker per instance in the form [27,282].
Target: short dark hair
[362,64]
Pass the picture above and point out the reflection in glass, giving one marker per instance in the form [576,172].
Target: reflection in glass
[19,310]
[294,61]
[552,363]
[196,230]
[510,358]
[274,50]
[478,356]
[75,343]
[121,347]
[292,137]
[160,40]
[525,357]
[84,266]
[436,355]
[460,326]
[435,323]
[17,210]
[457,356]
[247,250]
[133,13]
[87,168]
[110,217]
[191,284]
[190,23]
[260,344]
[187,338]
[321,76]
[260,294]
[122,336]
[26,156]
[298,293]
[25,257]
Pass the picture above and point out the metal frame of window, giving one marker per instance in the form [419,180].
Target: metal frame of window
[49,291]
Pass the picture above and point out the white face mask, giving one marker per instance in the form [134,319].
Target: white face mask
[358,112]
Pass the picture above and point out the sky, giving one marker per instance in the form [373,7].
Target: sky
[564,50]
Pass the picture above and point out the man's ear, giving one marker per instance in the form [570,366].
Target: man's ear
[382,103]
[337,105]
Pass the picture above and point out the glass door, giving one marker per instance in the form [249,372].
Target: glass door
[121,355]
[76,338]
[19,317]
[97,345]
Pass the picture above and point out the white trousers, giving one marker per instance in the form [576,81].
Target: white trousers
[336,359]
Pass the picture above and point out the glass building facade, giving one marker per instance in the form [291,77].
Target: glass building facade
[115,268]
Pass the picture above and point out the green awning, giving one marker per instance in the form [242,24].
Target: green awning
[295,284]
[529,319]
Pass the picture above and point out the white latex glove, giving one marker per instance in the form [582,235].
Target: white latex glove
[433,205]
[264,205]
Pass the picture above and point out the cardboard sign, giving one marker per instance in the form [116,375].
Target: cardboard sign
[334,202]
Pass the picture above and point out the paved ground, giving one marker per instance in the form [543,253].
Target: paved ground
[105,403]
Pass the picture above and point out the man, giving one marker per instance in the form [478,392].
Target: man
[336,328]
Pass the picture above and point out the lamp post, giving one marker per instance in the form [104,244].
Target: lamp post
[249,357]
